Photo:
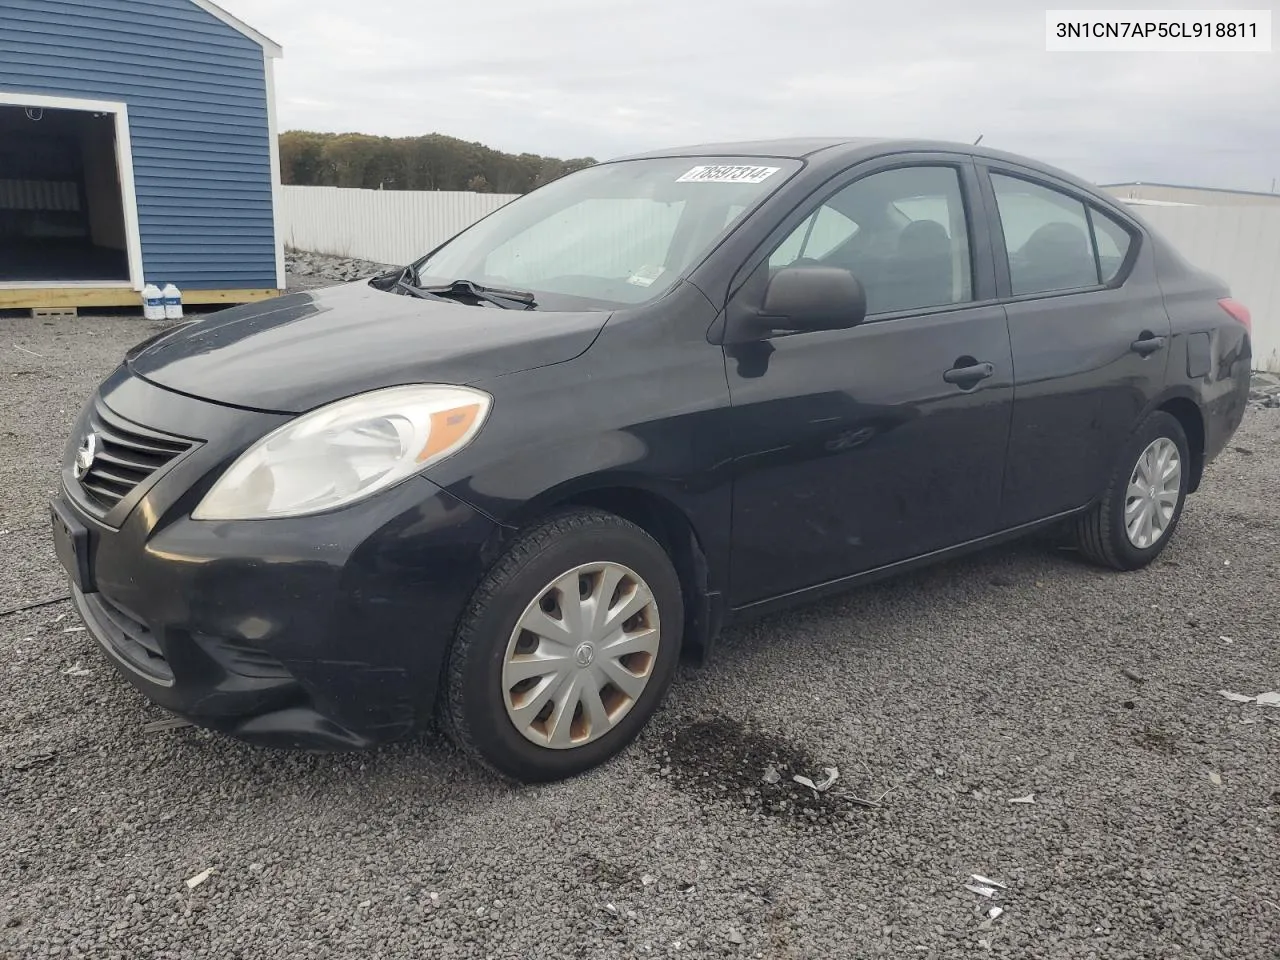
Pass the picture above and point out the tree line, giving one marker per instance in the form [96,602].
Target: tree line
[432,162]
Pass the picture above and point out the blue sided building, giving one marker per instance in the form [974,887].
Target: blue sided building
[138,144]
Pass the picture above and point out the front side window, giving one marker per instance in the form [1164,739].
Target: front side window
[612,235]
[1046,236]
[901,232]
[824,230]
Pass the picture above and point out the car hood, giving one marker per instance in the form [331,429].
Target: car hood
[295,353]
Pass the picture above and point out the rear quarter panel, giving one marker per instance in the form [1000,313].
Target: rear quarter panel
[1210,353]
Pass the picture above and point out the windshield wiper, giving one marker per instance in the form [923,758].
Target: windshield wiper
[406,287]
[507,299]
[402,283]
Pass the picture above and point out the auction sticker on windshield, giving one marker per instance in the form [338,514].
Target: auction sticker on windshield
[645,276]
[722,173]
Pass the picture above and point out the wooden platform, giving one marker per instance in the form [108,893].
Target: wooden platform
[18,298]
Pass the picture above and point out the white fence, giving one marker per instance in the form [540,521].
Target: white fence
[386,226]
[1239,244]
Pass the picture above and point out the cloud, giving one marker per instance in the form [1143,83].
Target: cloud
[578,77]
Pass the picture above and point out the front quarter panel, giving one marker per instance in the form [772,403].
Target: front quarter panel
[644,408]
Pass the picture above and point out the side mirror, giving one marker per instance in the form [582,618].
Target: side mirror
[801,299]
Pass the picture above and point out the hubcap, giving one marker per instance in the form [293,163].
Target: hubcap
[1153,493]
[581,655]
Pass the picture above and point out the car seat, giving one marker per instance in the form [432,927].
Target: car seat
[922,268]
[1057,256]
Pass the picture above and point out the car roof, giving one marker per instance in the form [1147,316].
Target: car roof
[792,147]
[854,149]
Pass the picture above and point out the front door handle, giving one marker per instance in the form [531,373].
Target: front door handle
[969,376]
[1146,346]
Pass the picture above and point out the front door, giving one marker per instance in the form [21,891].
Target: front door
[857,448]
[1089,332]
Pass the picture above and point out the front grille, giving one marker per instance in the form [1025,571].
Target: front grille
[128,636]
[127,455]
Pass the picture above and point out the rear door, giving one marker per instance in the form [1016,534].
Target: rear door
[1089,335]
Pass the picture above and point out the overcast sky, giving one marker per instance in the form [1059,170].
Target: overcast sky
[604,77]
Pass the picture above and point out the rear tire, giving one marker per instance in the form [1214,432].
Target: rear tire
[526,695]
[1137,515]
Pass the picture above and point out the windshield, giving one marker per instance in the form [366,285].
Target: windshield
[613,235]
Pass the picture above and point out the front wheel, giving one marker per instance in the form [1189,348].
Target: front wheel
[566,650]
[1136,517]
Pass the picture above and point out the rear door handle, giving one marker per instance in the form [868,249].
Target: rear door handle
[970,376]
[1146,346]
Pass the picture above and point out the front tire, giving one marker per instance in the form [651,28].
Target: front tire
[1136,517]
[567,648]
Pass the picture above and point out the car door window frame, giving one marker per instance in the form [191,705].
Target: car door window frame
[1130,254]
[1000,249]
[981,250]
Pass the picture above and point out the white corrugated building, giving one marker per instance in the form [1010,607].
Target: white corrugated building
[1199,196]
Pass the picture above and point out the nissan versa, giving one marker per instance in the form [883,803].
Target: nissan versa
[508,483]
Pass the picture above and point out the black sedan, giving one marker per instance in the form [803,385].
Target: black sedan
[508,484]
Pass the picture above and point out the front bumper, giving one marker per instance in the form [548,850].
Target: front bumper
[324,632]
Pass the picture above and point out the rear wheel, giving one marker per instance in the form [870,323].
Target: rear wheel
[1136,517]
[567,648]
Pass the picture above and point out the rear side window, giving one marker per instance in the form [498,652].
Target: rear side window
[1113,244]
[1047,237]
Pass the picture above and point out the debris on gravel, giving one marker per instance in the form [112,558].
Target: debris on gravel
[981,890]
[1265,390]
[938,696]
[1271,699]
[198,879]
[987,881]
[310,270]
[830,776]
[34,760]
[164,726]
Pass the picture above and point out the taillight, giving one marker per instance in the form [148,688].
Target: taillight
[1239,312]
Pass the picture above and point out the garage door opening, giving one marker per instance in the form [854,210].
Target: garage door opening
[62,212]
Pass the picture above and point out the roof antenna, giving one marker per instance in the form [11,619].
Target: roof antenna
[979,140]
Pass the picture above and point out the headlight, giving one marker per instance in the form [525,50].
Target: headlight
[346,451]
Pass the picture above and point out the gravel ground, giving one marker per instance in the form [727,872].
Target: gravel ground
[309,271]
[940,697]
